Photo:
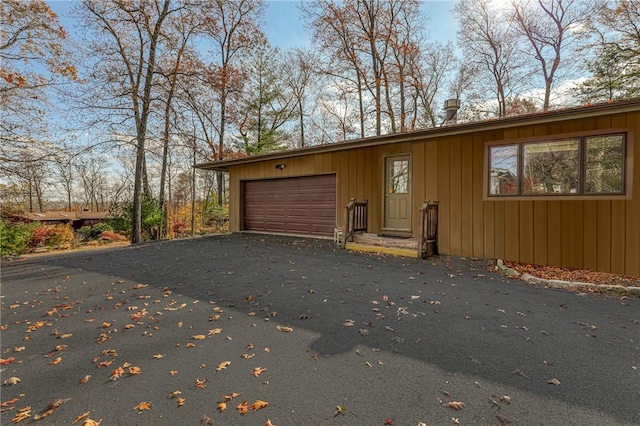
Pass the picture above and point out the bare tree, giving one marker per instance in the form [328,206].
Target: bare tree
[130,37]
[297,75]
[550,27]
[487,38]
[181,28]
[91,170]
[233,26]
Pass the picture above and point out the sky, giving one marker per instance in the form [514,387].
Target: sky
[285,28]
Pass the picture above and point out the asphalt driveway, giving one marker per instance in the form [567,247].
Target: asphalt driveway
[324,336]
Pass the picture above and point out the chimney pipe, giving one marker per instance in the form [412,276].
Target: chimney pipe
[451,106]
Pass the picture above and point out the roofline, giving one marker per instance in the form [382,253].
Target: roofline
[457,129]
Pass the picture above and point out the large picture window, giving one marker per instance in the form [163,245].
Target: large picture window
[591,165]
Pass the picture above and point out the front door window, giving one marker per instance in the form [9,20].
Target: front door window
[398,177]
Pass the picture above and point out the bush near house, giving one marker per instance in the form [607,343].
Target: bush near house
[19,238]
[15,237]
[60,236]
[94,232]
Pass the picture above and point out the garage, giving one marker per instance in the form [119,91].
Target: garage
[301,205]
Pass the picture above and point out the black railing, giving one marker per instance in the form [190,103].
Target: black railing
[355,219]
[428,237]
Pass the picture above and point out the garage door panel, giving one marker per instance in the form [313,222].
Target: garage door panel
[305,205]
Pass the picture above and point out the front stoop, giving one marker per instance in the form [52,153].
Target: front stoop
[372,243]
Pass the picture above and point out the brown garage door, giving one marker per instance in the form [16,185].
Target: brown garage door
[303,205]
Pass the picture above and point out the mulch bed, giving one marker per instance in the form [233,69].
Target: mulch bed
[576,275]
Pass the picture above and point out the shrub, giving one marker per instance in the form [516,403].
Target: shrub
[112,236]
[60,235]
[39,237]
[122,213]
[94,232]
[15,238]
[178,227]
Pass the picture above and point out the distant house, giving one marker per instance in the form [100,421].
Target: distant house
[76,219]
[88,218]
[555,188]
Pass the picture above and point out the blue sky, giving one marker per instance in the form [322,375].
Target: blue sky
[285,29]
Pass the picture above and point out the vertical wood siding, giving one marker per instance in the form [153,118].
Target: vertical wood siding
[596,234]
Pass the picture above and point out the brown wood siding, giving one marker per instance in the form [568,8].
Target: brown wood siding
[301,205]
[600,234]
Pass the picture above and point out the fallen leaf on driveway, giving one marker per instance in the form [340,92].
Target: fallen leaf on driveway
[53,406]
[268,423]
[142,406]
[222,406]
[231,396]
[10,402]
[56,361]
[553,381]
[223,365]
[22,414]
[82,416]
[11,381]
[284,329]
[259,404]
[158,356]
[6,361]
[455,405]
[199,337]
[349,323]
[117,373]
[258,371]
[243,408]
[200,384]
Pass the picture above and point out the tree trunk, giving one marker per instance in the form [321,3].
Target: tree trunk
[141,124]
[193,191]
[360,105]
[300,112]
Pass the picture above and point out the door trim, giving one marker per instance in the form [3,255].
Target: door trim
[397,232]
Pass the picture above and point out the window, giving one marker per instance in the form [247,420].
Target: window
[591,165]
[398,177]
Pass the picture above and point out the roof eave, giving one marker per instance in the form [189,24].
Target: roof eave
[458,129]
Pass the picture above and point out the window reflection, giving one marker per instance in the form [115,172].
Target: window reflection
[504,170]
[398,177]
[551,167]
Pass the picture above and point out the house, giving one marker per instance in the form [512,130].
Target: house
[555,188]
[77,219]
[89,218]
